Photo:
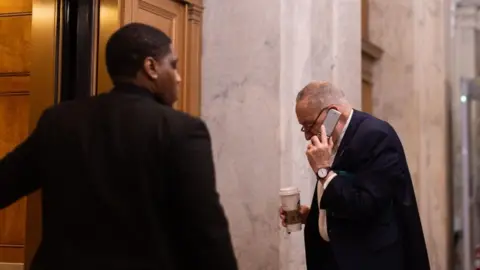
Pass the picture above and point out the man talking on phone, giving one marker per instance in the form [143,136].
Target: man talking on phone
[363,214]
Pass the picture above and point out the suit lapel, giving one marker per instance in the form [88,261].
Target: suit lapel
[357,119]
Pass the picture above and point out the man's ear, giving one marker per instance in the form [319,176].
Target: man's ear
[150,68]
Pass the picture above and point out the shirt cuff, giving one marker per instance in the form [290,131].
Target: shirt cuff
[329,179]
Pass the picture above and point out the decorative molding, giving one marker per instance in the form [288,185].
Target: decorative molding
[11,94]
[16,14]
[194,9]
[12,246]
[192,97]
[371,50]
[156,10]
[192,2]
[14,74]
[468,3]
[467,16]
[14,83]
[370,54]
[195,13]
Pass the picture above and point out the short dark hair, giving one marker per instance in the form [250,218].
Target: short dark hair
[128,47]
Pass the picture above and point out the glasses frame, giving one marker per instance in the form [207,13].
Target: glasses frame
[309,129]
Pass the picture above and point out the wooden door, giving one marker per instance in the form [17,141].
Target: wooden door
[367,99]
[370,54]
[15,28]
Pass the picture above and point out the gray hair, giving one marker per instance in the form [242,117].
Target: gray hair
[321,94]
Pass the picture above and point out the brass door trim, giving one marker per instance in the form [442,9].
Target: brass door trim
[94,56]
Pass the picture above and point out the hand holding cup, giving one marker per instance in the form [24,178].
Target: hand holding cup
[292,213]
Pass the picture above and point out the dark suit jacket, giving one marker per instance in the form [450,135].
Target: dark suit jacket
[127,184]
[372,215]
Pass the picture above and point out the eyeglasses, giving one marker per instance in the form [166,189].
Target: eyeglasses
[309,128]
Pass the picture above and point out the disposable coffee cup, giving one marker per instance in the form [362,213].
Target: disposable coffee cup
[290,199]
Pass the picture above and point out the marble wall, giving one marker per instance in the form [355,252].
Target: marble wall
[410,93]
[257,55]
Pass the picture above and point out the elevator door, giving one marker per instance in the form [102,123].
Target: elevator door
[15,27]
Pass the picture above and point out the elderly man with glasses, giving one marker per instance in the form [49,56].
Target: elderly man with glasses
[363,214]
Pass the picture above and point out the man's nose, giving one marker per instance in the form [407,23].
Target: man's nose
[308,135]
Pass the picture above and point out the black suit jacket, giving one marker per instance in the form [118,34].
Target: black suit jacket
[372,215]
[127,184]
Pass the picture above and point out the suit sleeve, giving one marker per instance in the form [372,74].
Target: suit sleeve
[201,219]
[20,170]
[362,195]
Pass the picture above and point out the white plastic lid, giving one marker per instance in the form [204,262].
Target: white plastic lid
[289,191]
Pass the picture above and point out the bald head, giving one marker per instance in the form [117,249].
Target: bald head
[319,94]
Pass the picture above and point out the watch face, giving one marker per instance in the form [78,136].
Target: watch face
[322,173]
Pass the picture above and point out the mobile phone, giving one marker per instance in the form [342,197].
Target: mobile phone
[331,121]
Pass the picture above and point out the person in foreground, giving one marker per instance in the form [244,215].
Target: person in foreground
[127,181]
[363,214]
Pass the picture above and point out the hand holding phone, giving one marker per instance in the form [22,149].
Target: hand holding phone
[319,152]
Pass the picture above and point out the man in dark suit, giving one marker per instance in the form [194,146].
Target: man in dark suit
[364,214]
[127,181]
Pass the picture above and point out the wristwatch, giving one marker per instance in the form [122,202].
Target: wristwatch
[323,172]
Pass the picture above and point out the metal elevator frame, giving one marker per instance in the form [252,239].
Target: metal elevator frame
[470,92]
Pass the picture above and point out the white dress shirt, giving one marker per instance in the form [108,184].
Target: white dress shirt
[322,213]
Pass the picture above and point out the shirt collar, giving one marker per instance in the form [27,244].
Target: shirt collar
[344,129]
[133,89]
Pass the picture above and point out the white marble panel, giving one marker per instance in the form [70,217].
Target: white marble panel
[410,93]
[257,56]
[240,102]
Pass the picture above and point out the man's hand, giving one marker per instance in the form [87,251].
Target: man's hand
[304,210]
[319,151]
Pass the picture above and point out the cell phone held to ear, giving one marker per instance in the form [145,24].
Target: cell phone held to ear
[331,121]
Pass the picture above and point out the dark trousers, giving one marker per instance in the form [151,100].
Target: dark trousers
[331,263]
[326,261]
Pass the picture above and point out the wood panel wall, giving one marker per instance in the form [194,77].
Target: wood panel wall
[15,34]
